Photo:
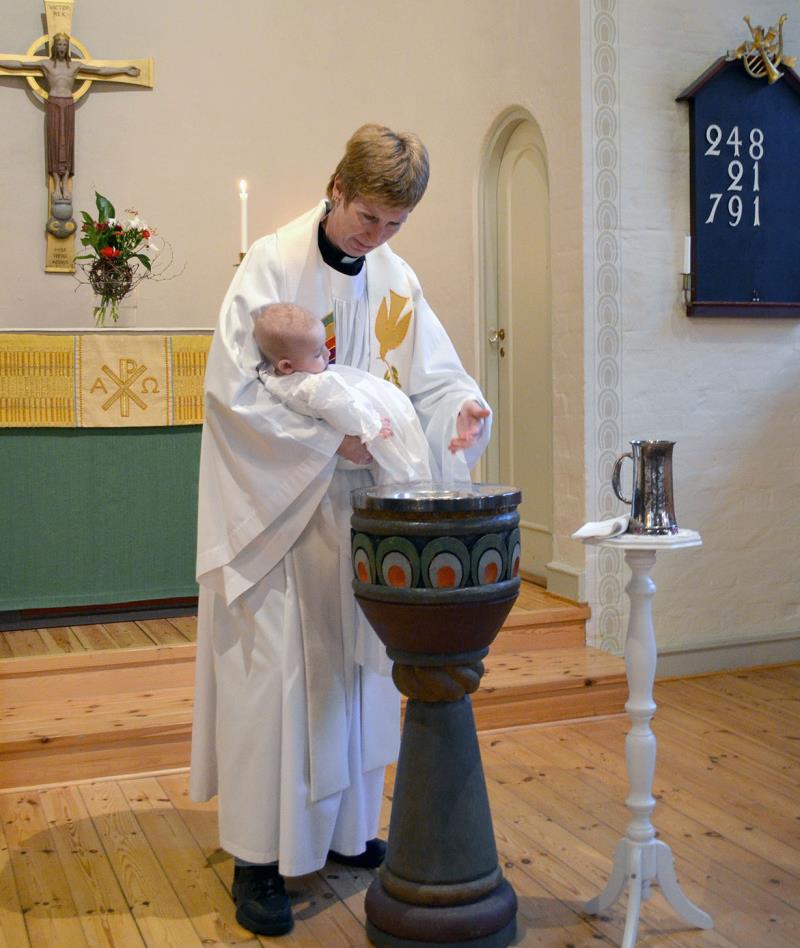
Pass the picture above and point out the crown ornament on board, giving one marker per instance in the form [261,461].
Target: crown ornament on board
[763,53]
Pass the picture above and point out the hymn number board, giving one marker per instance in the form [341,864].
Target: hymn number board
[738,193]
[745,193]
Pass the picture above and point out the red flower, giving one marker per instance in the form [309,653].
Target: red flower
[109,252]
[145,234]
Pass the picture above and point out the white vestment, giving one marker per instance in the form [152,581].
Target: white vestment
[354,402]
[295,717]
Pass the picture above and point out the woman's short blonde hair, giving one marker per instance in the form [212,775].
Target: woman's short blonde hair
[390,167]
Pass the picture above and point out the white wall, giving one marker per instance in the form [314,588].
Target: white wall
[269,90]
[726,390]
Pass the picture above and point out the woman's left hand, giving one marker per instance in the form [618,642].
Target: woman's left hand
[469,425]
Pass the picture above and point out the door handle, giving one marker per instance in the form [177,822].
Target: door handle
[496,335]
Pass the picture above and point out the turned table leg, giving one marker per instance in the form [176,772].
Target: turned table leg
[640,859]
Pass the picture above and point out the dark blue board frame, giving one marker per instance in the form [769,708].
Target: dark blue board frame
[745,193]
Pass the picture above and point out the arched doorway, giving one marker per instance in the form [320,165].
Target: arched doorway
[516,324]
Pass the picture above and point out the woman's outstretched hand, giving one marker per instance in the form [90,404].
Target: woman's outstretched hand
[469,425]
[351,449]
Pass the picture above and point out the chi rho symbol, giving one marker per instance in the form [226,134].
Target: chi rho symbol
[129,373]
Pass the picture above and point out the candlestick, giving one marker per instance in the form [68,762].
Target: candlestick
[687,254]
[243,217]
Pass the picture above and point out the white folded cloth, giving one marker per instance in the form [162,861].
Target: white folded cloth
[602,528]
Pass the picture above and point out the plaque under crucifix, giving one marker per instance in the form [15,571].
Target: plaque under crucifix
[68,70]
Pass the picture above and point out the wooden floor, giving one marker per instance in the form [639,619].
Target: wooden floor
[144,633]
[133,862]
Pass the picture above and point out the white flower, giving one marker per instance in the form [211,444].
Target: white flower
[135,223]
[112,222]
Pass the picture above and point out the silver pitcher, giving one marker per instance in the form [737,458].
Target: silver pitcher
[652,504]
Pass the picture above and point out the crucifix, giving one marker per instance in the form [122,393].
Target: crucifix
[68,69]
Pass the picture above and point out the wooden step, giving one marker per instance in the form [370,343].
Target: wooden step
[69,721]
[108,712]
[95,714]
[549,684]
[540,620]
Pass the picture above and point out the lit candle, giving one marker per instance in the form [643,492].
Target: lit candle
[687,254]
[243,217]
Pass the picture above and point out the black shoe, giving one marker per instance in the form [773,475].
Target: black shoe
[262,905]
[371,858]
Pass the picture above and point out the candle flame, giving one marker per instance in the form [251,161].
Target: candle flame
[243,187]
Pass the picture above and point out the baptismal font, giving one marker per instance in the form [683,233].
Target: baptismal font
[436,571]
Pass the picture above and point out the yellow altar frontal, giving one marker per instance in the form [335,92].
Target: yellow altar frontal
[102,379]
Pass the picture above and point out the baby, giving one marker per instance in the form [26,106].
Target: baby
[353,402]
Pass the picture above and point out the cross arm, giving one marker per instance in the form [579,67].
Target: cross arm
[116,71]
[11,65]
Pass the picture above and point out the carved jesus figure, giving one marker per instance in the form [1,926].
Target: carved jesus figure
[61,73]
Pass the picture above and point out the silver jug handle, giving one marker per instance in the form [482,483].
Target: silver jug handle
[615,476]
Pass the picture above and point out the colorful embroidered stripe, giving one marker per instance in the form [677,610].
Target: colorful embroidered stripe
[330,336]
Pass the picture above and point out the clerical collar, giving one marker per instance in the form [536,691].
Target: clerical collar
[350,266]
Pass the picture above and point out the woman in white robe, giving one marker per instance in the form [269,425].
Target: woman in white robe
[296,716]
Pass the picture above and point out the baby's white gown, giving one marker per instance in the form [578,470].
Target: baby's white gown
[354,402]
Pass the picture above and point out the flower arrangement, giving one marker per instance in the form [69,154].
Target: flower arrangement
[121,251]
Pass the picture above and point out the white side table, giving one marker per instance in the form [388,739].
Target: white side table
[640,858]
